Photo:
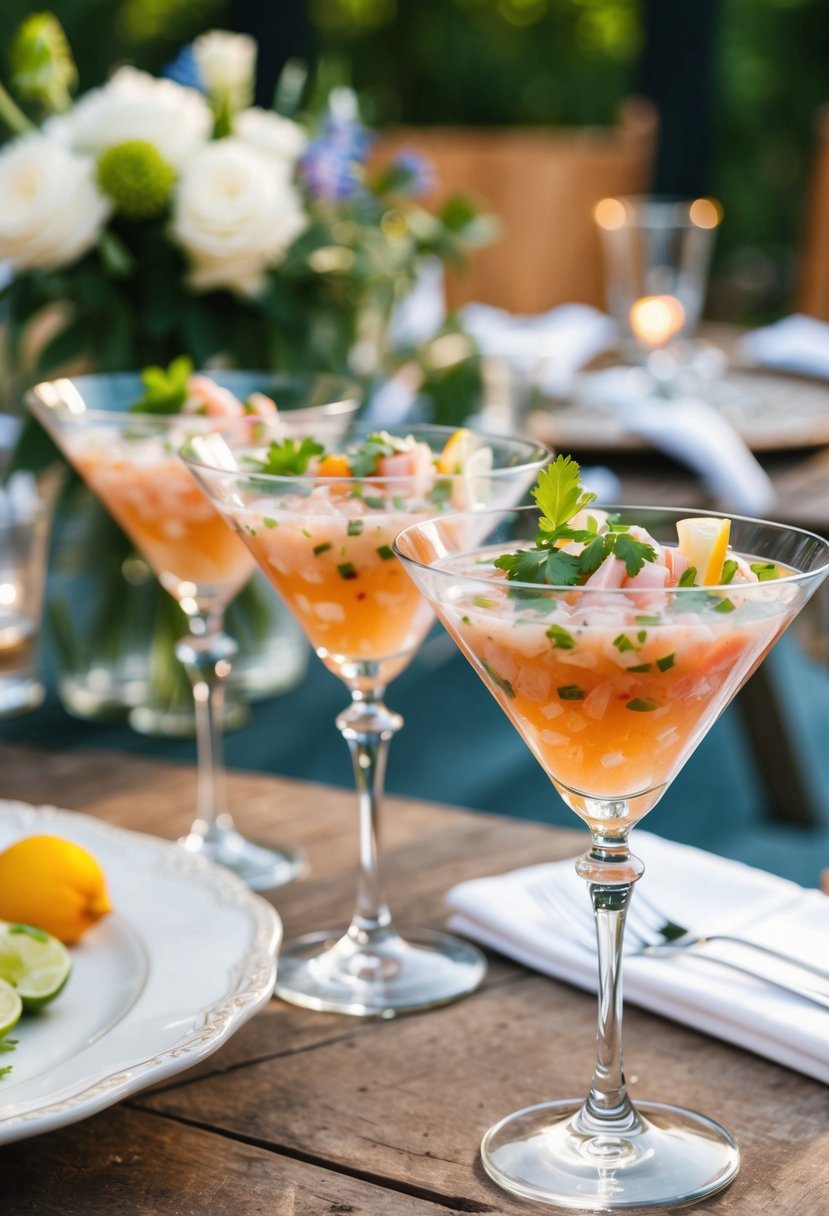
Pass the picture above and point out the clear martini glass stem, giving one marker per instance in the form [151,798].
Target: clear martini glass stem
[206,654]
[610,871]
[367,727]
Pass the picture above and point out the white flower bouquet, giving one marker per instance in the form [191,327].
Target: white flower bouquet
[169,215]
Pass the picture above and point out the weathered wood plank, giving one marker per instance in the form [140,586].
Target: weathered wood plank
[129,1163]
[415,1096]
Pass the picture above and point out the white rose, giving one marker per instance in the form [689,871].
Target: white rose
[271,133]
[226,64]
[51,209]
[235,214]
[134,105]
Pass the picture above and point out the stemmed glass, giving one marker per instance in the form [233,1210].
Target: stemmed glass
[612,689]
[129,460]
[325,543]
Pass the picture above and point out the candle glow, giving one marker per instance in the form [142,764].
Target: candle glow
[654,320]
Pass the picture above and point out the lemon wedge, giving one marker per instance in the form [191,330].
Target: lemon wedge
[458,448]
[704,541]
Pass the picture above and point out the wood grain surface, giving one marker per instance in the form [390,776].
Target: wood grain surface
[305,1114]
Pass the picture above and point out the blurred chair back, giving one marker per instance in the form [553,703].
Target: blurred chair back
[813,279]
[543,185]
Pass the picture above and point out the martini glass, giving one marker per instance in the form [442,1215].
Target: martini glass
[326,544]
[129,460]
[612,689]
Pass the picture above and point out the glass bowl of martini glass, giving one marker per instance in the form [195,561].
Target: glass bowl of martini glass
[322,531]
[612,640]
[128,458]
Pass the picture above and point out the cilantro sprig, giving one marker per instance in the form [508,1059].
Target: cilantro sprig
[286,457]
[165,389]
[365,458]
[560,496]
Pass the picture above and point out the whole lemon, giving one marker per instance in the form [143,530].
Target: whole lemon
[53,884]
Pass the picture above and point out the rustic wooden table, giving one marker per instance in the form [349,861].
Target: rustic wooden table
[305,1114]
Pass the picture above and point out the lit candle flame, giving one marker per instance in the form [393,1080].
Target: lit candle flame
[654,320]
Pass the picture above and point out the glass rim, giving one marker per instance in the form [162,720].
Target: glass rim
[347,400]
[420,428]
[541,589]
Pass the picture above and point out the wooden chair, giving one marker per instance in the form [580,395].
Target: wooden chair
[813,279]
[543,186]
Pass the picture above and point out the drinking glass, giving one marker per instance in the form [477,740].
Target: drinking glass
[611,689]
[325,543]
[657,254]
[129,460]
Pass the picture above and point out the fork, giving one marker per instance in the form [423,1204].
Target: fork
[649,931]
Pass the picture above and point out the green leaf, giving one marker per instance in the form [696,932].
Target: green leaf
[559,493]
[287,457]
[689,577]
[634,553]
[623,643]
[666,662]
[561,639]
[165,389]
[561,569]
[525,566]
[594,553]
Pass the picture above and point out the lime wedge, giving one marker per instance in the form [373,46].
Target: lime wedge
[33,963]
[11,1008]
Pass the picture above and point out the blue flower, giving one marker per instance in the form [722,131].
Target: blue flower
[184,69]
[415,172]
[332,166]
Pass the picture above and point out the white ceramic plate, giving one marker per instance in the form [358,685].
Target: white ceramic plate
[187,956]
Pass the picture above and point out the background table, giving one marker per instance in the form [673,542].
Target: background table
[305,1114]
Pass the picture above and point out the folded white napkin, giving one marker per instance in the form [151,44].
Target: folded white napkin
[694,888]
[689,429]
[551,347]
[795,344]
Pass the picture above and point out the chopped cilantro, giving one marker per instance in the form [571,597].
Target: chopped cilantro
[323,548]
[466,620]
[689,577]
[355,527]
[570,692]
[647,620]
[346,570]
[729,569]
[765,571]
[666,662]
[497,680]
[642,705]
[374,503]
[270,523]
[642,636]
[364,459]
[440,492]
[623,643]
[561,639]
[306,533]
[386,552]
[640,667]
[481,601]
[398,503]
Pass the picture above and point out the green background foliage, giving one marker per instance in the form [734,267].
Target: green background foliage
[542,61]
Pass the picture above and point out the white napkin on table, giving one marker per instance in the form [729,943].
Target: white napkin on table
[692,431]
[551,346]
[796,344]
[694,888]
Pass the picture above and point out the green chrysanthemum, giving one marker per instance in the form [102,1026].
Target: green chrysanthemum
[137,178]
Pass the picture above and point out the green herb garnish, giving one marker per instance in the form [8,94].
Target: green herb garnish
[640,667]
[323,548]
[570,692]
[560,496]
[355,527]
[729,569]
[497,680]
[286,457]
[364,459]
[642,705]
[165,389]
[725,606]
[386,552]
[765,571]
[689,577]
[561,639]
[623,643]
[666,662]
[346,570]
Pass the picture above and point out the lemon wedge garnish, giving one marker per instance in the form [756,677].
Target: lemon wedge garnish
[459,447]
[704,541]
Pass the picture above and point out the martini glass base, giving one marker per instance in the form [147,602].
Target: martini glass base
[388,975]
[262,867]
[675,1157]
